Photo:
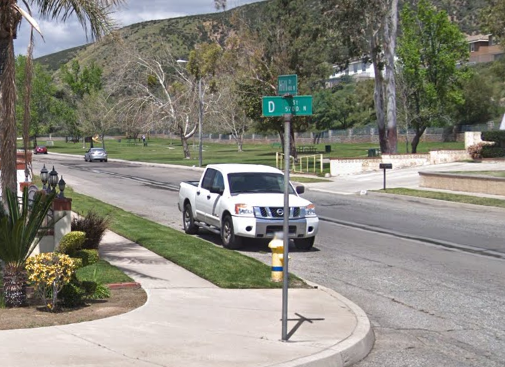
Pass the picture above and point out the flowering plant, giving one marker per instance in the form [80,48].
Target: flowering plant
[50,272]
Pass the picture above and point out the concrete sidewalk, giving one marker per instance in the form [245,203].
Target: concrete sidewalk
[404,177]
[188,321]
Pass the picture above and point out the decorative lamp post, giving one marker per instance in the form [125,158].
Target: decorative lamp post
[61,186]
[53,180]
[44,174]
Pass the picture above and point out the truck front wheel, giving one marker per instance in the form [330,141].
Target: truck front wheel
[304,244]
[230,241]
[187,219]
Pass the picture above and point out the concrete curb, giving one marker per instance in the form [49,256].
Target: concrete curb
[349,351]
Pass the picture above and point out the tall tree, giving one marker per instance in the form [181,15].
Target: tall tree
[81,82]
[159,90]
[92,15]
[492,18]
[430,51]
[292,39]
[44,106]
[369,30]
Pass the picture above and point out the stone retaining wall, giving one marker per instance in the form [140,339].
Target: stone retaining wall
[340,167]
[466,183]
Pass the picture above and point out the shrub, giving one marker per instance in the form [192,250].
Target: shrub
[50,272]
[88,257]
[77,263]
[498,137]
[75,293]
[72,295]
[101,292]
[94,226]
[71,243]
[491,151]
[89,287]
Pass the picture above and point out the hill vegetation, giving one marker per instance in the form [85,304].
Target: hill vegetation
[183,33]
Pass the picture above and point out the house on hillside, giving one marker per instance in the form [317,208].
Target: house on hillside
[483,48]
[357,69]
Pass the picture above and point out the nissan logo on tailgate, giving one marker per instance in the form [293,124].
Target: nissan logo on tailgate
[280,211]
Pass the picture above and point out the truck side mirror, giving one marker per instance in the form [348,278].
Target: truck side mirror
[300,189]
[216,190]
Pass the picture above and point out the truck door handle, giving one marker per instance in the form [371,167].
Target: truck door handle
[198,192]
[208,197]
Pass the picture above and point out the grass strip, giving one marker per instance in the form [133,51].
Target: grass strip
[102,272]
[222,267]
[437,195]
[300,179]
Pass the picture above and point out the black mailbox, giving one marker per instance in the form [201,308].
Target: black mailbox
[385,166]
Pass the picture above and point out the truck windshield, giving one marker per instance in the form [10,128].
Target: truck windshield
[257,182]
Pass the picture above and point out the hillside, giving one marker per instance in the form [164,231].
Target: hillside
[181,34]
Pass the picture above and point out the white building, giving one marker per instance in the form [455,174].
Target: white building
[357,69]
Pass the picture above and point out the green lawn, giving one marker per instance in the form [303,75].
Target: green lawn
[225,268]
[467,199]
[170,151]
[103,273]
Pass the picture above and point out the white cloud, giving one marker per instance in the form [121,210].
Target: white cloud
[62,36]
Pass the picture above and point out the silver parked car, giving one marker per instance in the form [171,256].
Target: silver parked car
[96,154]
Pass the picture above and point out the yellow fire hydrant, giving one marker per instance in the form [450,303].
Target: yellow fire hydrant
[277,246]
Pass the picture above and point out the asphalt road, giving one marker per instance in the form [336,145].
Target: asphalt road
[435,302]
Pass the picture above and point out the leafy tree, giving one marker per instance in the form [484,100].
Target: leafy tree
[344,106]
[44,105]
[430,50]
[492,18]
[96,115]
[81,82]
[292,38]
[369,29]
[92,14]
[479,106]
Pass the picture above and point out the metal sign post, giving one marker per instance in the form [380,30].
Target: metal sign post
[285,237]
[287,105]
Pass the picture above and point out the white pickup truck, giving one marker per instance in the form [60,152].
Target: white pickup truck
[246,200]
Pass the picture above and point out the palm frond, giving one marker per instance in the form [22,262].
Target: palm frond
[94,15]
[21,227]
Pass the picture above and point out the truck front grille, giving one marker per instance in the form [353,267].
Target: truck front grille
[276,212]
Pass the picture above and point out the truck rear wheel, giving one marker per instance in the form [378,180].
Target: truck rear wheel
[188,221]
[304,244]
[230,241]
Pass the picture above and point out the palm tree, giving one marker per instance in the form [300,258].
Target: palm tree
[93,16]
[20,233]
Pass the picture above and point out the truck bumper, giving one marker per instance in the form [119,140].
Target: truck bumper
[262,228]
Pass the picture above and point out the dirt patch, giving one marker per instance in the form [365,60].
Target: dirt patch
[121,301]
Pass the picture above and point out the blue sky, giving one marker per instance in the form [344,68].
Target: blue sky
[61,36]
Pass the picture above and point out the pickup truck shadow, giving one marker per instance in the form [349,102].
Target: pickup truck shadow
[248,244]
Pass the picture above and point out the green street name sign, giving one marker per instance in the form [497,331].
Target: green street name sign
[287,84]
[279,106]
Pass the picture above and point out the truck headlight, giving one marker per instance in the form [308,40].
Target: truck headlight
[243,209]
[310,210]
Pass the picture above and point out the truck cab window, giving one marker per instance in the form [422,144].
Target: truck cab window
[208,179]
